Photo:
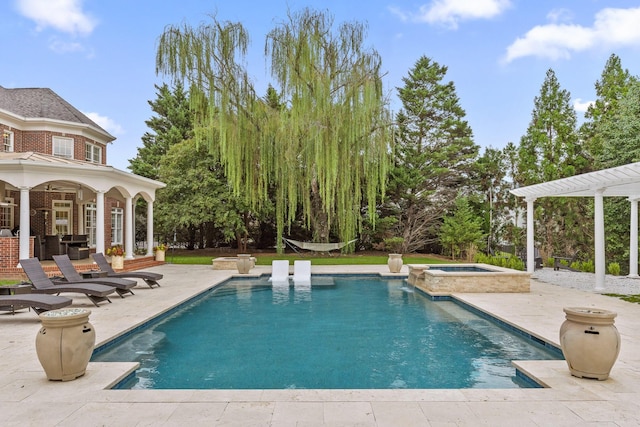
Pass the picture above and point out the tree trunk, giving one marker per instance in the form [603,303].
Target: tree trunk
[319,218]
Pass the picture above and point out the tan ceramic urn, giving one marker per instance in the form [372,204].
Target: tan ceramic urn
[590,342]
[65,343]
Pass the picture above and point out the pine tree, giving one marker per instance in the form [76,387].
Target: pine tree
[551,150]
[613,85]
[434,152]
[461,232]
[171,125]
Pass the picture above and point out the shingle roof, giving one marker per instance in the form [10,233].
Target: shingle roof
[42,103]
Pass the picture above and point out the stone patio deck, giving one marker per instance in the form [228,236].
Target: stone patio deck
[27,398]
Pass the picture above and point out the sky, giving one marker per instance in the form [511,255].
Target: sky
[100,55]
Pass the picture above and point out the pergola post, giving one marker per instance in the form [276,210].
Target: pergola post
[531,262]
[633,241]
[599,240]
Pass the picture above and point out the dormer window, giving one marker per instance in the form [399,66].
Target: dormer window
[93,153]
[7,141]
[63,147]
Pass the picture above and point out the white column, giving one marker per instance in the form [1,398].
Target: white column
[25,223]
[633,244]
[100,221]
[128,228]
[150,228]
[531,262]
[599,240]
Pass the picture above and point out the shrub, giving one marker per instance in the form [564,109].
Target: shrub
[613,268]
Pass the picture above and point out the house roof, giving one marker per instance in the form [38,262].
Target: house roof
[621,181]
[42,103]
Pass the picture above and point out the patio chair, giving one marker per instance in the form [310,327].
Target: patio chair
[39,302]
[149,277]
[302,272]
[71,275]
[279,272]
[43,285]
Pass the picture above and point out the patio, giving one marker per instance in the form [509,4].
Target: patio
[26,397]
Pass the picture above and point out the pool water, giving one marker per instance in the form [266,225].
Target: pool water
[347,333]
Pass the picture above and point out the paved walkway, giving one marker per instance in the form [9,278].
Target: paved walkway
[27,398]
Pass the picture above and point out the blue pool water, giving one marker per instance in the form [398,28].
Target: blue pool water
[350,332]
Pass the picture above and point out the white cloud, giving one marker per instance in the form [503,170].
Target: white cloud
[450,12]
[611,27]
[106,123]
[63,15]
[582,106]
[559,15]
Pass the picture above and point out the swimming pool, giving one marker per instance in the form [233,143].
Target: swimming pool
[350,332]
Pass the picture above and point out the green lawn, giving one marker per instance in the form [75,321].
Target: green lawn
[183,257]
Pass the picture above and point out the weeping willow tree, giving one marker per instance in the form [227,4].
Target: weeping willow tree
[325,152]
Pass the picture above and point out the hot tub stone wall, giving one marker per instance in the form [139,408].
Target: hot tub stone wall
[498,279]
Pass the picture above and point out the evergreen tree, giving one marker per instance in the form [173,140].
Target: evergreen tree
[613,85]
[461,232]
[551,150]
[434,152]
[620,133]
[489,174]
[198,198]
[171,125]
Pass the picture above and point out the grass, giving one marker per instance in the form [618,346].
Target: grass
[193,257]
[630,298]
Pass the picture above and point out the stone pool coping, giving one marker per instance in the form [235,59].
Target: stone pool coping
[27,397]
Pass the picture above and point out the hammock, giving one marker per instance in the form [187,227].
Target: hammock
[317,247]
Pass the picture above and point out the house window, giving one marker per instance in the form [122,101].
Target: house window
[90,223]
[93,153]
[62,217]
[63,147]
[7,141]
[6,214]
[117,220]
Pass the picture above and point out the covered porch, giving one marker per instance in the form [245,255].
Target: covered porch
[45,197]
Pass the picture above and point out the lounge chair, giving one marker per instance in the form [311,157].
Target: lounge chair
[71,275]
[302,272]
[149,277]
[43,285]
[279,272]
[39,302]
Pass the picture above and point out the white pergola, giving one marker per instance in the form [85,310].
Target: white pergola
[621,181]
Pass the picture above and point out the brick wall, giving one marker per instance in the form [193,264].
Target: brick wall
[10,251]
[42,142]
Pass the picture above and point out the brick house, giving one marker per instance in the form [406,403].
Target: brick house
[55,181]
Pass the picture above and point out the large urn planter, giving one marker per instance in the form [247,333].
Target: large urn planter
[117,262]
[244,263]
[160,255]
[395,263]
[65,343]
[590,342]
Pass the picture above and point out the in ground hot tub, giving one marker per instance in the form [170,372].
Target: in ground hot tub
[443,279]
